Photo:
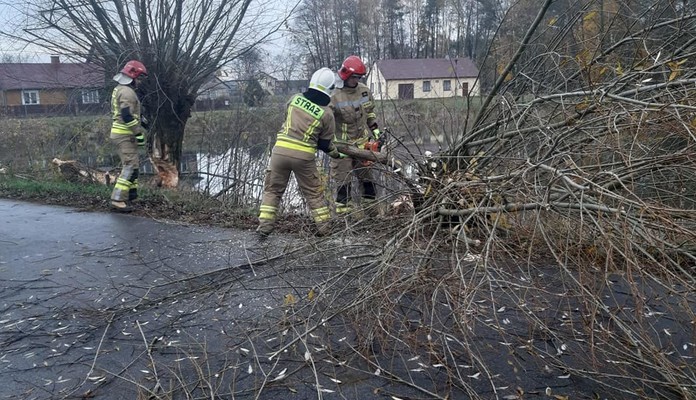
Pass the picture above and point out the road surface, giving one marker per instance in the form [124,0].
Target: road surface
[113,306]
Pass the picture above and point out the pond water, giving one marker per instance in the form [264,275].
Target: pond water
[238,175]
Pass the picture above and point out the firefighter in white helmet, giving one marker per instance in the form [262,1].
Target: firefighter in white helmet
[309,125]
[356,124]
[127,133]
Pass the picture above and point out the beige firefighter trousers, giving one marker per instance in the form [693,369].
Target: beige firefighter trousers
[126,187]
[277,177]
[341,169]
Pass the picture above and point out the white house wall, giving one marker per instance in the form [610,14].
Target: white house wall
[389,90]
[377,84]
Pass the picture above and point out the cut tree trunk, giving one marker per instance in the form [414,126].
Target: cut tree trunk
[167,174]
[165,142]
[363,154]
[166,170]
[395,165]
[75,171]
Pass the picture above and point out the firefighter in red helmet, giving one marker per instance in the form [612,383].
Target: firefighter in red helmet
[127,133]
[356,124]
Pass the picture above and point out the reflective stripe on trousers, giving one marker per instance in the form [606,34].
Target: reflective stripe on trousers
[126,187]
[276,181]
[321,214]
[342,208]
[268,212]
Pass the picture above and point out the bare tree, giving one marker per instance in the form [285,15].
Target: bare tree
[393,27]
[284,66]
[13,58]
[182,43]
[326,32]
[248,65]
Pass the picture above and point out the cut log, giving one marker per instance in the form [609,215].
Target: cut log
[75,171]
[363,154]
[395,165]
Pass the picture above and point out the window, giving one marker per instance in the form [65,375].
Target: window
[30,97]
[426,86]
[90,96]
[446,85]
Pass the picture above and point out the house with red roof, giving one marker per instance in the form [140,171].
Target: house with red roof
[423,78]
[52,88]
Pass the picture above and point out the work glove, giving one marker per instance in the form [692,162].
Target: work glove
[335,154]
[140,138]
[377,134]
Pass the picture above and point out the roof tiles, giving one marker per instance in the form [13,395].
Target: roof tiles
[427,68]
[17,76]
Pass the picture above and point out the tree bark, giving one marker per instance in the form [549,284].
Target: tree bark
[363,154]
[165,155]
[165,141]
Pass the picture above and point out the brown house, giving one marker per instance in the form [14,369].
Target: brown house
[423,78]
[51,88]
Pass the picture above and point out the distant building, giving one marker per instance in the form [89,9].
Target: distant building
[218,89]
[267,82]
[426,78]
[292,86]
[51,88]
[222,91]
[218,93]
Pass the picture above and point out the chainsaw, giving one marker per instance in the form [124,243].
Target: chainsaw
[374,146]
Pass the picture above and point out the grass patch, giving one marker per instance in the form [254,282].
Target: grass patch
[180,205]
[28,188]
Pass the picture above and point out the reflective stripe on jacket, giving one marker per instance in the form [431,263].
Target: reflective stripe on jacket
[124,96]
[305,123]
[354,112]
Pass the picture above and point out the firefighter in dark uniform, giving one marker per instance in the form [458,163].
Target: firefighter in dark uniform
[356,124]
[309,125]
[127,133]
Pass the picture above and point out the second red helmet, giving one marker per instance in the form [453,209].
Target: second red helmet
[352,65]
[134,69]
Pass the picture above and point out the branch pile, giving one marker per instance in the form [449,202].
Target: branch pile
[561,222]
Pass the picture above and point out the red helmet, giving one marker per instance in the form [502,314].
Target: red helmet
[134,69]
[352,65]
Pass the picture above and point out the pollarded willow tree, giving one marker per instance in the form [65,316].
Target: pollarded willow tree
[182,43]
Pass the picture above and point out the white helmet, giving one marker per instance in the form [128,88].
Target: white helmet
[323,80]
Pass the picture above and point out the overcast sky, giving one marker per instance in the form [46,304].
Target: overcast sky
[12,13]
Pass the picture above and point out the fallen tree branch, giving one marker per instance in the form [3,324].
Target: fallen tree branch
[363,154]
[75,171]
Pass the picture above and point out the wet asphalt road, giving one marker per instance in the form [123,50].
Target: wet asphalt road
[85,295]
[112,306]
[71,284]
